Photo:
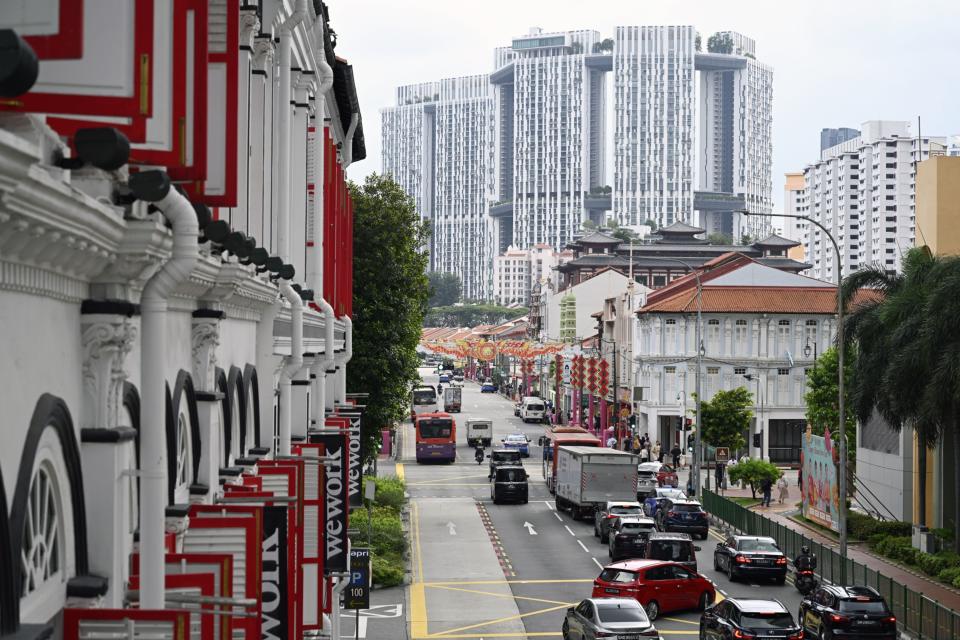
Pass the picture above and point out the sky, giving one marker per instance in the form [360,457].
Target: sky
[836,63]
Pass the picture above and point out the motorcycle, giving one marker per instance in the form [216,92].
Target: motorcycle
[479,455]
[805,581]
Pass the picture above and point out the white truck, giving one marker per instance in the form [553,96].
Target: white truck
[588,477]
[479,432]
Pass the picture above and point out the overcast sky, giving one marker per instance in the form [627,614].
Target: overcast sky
[836,63]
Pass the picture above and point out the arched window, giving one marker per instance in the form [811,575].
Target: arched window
[184,459]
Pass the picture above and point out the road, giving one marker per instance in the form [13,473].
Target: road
[510,571]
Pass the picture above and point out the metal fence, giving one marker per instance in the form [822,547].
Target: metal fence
[916,614]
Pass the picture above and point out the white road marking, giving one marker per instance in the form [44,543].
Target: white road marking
[530,528]
[549,504]
[596,562]
[583,546]
[452,528]
[558,516]
[570,531]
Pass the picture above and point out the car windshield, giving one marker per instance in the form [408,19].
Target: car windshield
[772,620]
[674,550]
[503,456]
[863,606]
[621,613]
[435,428]
[686,508]
[510,475]
[757,545]
[617,575]
[626,510]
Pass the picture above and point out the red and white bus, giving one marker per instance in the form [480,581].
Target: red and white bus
[560,436]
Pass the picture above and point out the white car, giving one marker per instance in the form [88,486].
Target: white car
[456,383]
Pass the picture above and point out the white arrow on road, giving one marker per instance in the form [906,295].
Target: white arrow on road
[452,528]
[530,528]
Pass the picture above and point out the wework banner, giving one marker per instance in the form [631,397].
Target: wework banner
[275,625]
[356,457]
[336,487]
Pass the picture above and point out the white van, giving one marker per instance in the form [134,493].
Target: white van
[533,409]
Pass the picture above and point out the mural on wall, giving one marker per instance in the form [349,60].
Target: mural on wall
[820,493]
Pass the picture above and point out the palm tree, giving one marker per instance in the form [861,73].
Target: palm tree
[890,374]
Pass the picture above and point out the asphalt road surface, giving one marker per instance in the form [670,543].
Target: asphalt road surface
[510,571]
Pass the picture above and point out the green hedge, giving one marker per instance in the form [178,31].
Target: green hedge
[944,565]
[863,527]
[388,541]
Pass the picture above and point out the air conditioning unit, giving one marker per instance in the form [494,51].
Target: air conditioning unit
[638,394]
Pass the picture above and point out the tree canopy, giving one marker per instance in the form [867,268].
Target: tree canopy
[470,315]
[444,289]
[822,395]
[725,417]
[719,238]
[754,472]
[388,303]
[720,43]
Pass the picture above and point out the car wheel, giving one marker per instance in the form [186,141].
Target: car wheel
[525,501]
[716,565]
[704,601]
[730,573]
[703,634]
[653,610]
[565,630]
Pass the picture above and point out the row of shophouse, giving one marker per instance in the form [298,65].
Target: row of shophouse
[180,450]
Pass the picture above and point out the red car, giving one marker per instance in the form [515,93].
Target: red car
[657,585]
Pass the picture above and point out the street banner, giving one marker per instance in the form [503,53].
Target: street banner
[336,487]
[356,455]
[357,595]
[567,370]
[820,494]
[274,574]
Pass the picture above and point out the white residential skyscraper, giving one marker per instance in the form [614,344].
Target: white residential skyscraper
[451,123]
[654,112]
[862,190]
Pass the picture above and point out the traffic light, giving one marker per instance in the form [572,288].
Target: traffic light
[758,440]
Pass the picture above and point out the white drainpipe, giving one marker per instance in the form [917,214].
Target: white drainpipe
[320,365]
[283,125]
[344,359]
[343,579]
[265,368]
[348,142]
[153,447]
[292,364]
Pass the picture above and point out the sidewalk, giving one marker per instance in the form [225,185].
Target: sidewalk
[858,551]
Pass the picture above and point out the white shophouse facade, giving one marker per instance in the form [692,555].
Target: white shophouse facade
[757,321]
[93,280]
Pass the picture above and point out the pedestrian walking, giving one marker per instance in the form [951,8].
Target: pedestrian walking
[657,452]
[784,487]
[767,487]
[675,452]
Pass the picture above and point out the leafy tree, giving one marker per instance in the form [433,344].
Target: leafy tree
[388,303]
[725,417]
[719,238]
[754,472]
[444,289]
[588,225]
[720,43]
[625,234]
[607,44]
[698,43]
[746,239]
[822,395]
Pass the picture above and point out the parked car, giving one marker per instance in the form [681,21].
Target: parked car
[750,557]
[651,475]
[517,441]
[846,612]
[488,387]
[652,502]
[509,483]
[597,618]
[749,618]
[604,516]
[659,586]
[683,515]
[675,547]
[628,537]
[456,383]
[458,377]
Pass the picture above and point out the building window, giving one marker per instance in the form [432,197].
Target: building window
[713,336]
[740,371]
[783,372]
[184,457]
[741,345]
[783,335]
[41,555]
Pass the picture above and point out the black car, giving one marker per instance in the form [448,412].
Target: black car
[675,547]
[509,483]
[749,618]
[503,457]
[750,557]
[628,537]
[686,516]
[851,613]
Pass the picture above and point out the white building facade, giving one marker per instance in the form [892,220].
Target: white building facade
[518,272]
[174,316]
[654,124]
[862,190]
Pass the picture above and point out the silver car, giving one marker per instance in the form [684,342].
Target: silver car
[619,618]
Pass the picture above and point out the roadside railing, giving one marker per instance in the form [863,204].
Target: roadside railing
[917,614]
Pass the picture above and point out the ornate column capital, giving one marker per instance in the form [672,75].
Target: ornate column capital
[204,338]
[106,339]
[263,50]
[249,27]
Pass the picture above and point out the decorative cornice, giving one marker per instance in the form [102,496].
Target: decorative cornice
[37,281]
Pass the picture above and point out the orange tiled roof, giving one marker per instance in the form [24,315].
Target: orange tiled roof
[755,300]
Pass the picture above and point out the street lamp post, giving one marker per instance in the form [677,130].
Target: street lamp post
[807,349]
[842,520]
[697,442]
